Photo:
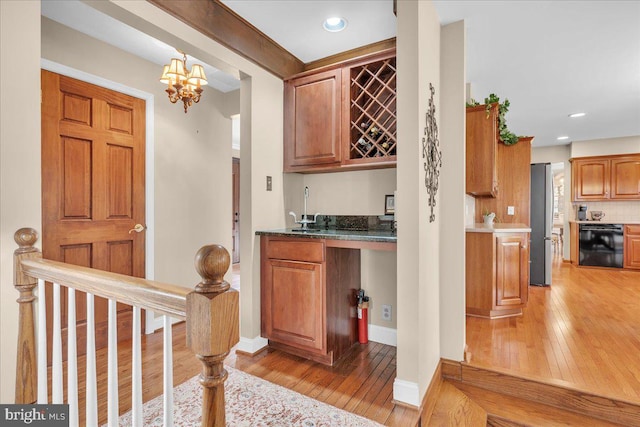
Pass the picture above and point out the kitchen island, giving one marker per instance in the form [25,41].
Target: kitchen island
[497,269]
[309,282]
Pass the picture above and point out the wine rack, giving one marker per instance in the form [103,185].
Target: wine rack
[373,116]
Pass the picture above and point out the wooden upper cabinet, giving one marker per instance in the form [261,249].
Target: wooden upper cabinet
[625,178]
[590,179]
[342,118]
[481,146]
[606,178]
[312,120]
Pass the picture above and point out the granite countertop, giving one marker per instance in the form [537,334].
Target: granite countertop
[386,236]
[606,221]
[498,228]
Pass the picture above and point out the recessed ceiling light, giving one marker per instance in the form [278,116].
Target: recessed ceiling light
[562,138]
[334,24]
[574,115]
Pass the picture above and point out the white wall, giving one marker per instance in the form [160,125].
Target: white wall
[452,189]
[19,161]
[603,147]
[261,109]
[353,193]
[192,153]
[418,59]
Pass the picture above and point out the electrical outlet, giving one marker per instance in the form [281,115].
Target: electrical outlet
[386,312]
[511,210]
[269,183]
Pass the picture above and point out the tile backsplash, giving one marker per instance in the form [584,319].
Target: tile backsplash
[614,211]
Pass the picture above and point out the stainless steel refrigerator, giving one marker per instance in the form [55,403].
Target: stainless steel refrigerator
[541,224]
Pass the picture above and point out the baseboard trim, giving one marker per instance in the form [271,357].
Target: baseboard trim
[158,323]
[251,346]
[383,335]
[406,393]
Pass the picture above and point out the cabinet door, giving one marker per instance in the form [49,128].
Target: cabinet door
[632,246]
[590,179]
[312,120]
[625,178]
[293,304]
[481,146]
[512,270]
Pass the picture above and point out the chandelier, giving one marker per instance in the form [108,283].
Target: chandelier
[183,84]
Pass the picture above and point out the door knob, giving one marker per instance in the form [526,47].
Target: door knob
[138,228]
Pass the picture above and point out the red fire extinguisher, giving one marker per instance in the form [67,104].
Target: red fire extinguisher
[363,321]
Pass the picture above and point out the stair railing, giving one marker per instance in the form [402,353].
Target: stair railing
[211,312]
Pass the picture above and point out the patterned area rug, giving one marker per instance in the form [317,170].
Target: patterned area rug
[251,402]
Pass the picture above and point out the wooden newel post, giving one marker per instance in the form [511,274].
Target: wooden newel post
[26,369]
[212,328]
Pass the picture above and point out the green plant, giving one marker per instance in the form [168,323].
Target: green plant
[506,136]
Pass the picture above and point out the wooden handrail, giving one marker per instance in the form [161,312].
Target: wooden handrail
[211,312]
[158,297]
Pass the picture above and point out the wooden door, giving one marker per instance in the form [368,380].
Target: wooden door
[512,266]
[294,306]
[625,178]
[590,179]
[312,120]
[235,226]
[93,189]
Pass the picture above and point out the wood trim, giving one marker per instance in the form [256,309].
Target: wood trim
[352,54]
[361,244]
[431,396]
[147,294]
[556,395]
[217,21]
[607,157]
[451,369]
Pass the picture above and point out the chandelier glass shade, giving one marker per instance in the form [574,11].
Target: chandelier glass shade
[183,84]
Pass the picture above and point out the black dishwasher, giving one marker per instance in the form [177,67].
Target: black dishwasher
[601,245]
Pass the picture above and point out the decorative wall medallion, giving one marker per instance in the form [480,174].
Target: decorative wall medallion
[431,154]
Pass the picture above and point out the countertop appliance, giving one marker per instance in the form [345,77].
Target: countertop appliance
[541,224]
[582,213]
[601,245]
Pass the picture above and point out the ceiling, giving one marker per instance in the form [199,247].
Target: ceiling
[549,58]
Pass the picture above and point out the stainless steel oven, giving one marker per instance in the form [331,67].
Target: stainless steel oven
[601,245]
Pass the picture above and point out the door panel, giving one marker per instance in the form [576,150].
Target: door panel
[93,145]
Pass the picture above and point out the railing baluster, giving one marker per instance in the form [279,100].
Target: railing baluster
[56,364]
[167,372]
[72,359]
[91,399]
[136,372]
[43,386]
[26,380]
[112,366]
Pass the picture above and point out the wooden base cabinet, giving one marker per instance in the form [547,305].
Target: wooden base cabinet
[497,274]
[308,296]
[632,246]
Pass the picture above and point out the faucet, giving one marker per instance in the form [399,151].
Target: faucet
[304,221]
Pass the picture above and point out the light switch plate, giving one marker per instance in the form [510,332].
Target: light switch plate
[269,183]
[511,210]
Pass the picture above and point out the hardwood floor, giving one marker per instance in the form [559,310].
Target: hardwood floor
[362,383]
[582,332]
